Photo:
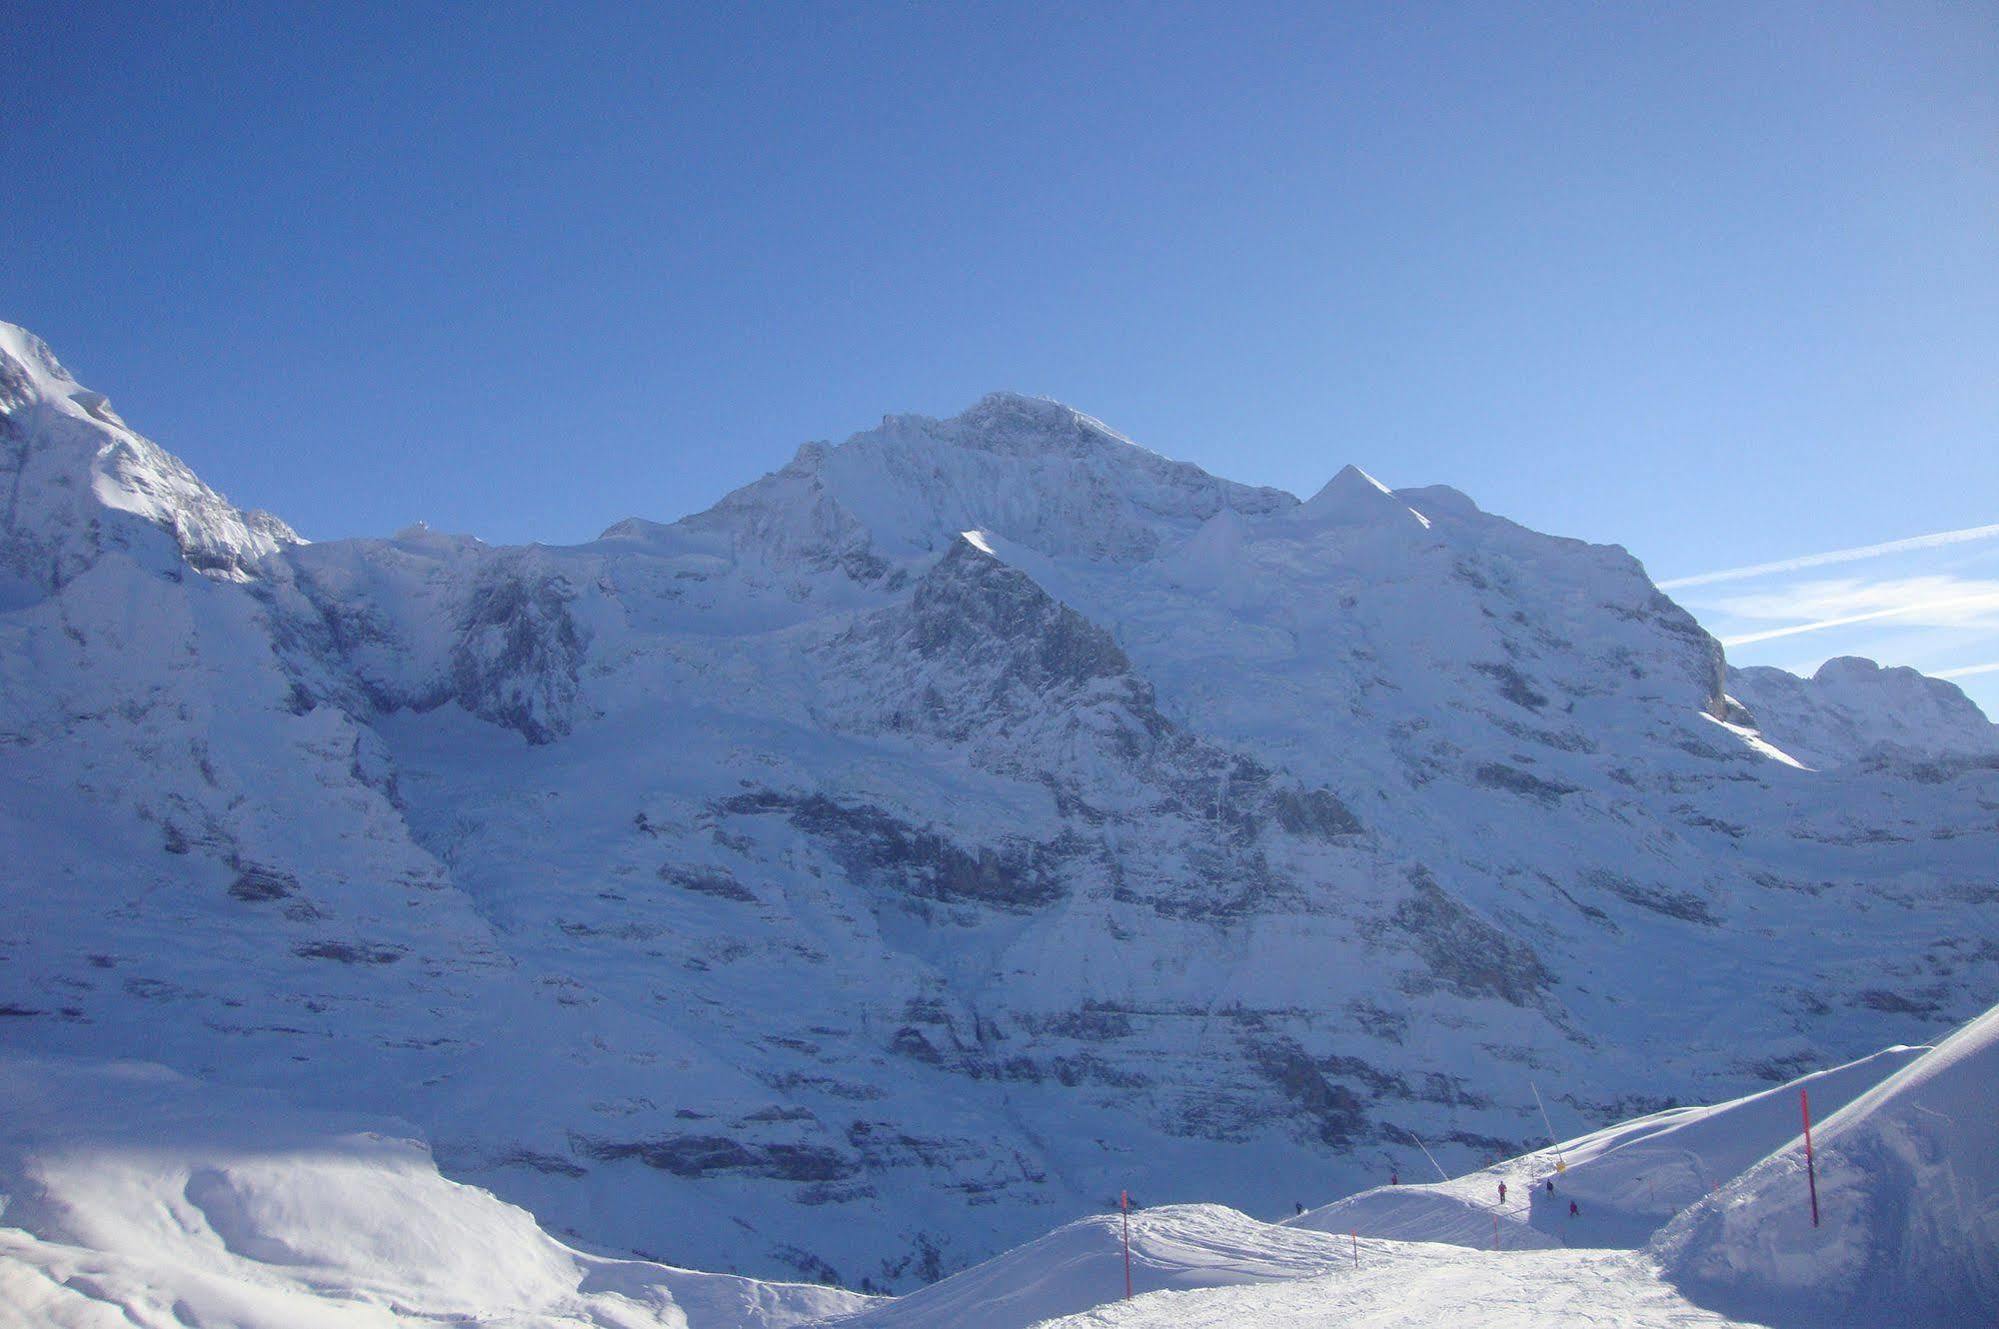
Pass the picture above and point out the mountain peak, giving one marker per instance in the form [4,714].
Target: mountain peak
[29,371]
[1355,498]
[1026,469]
[1015,424]
[76,464]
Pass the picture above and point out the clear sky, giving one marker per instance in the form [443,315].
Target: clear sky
[1717,282]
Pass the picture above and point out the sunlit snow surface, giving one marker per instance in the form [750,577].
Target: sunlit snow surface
[131,1195]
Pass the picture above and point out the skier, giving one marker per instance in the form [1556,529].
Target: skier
[1301,1207]
[1395,1178]
[1502,1192]
[1551,1185]
[1573,1211]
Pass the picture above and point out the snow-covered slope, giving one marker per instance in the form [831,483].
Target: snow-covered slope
[77,481]
[1853,709]
[1908,1194]
[1626,1180]
[932,838]
[1081,1265]
[134,1196]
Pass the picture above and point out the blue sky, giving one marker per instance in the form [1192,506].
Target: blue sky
[1716,282]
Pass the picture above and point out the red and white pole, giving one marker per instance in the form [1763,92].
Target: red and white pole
[1811,1166]
[1124,1206]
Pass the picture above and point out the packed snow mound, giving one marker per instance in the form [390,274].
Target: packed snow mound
[132,1195]
[1626,1180]
[1081,1265]
[80,481]
[1853,709]
[1908,1195]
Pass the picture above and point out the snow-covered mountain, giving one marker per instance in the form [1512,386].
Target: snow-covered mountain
[941,833]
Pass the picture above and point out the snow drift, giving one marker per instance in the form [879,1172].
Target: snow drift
[134,1196]
[1908,1186]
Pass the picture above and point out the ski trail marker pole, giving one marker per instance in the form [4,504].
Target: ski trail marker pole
[1811,1167]
[1356,1248]
[1124,1205]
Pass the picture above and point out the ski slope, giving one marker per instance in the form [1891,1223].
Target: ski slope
[1627,1180]
[1908,1169]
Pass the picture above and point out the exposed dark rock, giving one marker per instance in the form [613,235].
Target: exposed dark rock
[910,1042]
[347,952]
[972,599]
[1659,899]
[550,1163]
[1089,1068]
[1093,1023]
[1317,812]
[878,849]
[1469,954]
[256,882]
[515,662]
[1498,775]
[1896,1003]
[704,1155]
[1335,1111]
[1513,685]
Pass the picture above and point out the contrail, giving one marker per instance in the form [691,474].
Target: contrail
[1932,541]
[1968,671]
[1949,602]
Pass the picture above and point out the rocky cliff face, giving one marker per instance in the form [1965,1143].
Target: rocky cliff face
[940,834]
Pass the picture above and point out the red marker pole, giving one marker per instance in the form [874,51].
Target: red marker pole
[1356,1248]
[1811,1166]
[1124,1205]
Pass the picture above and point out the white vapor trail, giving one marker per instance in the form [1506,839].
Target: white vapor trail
[1967,671]
[1921,606]
[1931,541]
